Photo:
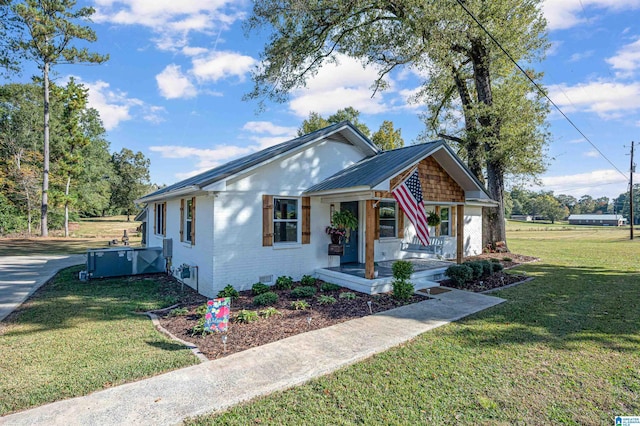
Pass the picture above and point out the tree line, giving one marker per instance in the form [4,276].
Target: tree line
[546,205]
[85,178]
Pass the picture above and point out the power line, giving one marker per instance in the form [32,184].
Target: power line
[537,86]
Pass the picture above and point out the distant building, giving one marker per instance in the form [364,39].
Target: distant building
[597,219]
[522,217]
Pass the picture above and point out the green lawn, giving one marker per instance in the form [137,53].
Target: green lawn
[90,233]
[73,338]
[564,349]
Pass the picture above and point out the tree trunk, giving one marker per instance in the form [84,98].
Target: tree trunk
[495,228]
[44,229]
[473,147]
[66,207]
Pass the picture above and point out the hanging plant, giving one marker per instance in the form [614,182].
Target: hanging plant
[433,219]
[344,219]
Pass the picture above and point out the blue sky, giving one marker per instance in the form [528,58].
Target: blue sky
[173,88]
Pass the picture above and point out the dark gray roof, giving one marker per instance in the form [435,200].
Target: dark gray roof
[374,170]
[233,167]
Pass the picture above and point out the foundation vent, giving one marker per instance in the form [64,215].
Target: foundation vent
[265,279]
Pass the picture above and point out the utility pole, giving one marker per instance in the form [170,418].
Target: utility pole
[631,170]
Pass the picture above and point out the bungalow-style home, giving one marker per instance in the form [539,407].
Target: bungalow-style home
[597,219]
[264,215]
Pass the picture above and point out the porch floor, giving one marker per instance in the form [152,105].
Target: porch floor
[384,267]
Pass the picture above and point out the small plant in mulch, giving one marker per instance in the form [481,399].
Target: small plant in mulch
[299,305]
[270,312]
[229,291]
[245,316]
[476,268]
[308,280]
[199,328]
[348,295]
[266,299]
[303,292]
[323,299]
[402,288]
[327,287]
[177,312]
[284,283]
[259,288]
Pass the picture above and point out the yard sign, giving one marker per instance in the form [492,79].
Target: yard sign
[217,316]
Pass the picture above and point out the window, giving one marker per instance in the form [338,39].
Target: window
[188,220]
[285,220]
[160,220]
[445,221]
[388,214]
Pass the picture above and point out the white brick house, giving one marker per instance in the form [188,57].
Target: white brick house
[264,215]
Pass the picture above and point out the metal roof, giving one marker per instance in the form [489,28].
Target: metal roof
[238,165]
[595,217]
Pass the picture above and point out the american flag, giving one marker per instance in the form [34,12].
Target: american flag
[409,196]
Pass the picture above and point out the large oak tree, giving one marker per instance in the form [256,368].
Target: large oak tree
[438,38]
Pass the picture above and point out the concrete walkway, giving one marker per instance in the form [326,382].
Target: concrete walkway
[20,276]
[216,385]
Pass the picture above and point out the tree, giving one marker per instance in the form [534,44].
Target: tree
[317,122]
[20,157]
[9,36]
[51,27]
[130,180]
[434,36]
[387,137]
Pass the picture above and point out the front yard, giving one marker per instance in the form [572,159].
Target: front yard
[564,349]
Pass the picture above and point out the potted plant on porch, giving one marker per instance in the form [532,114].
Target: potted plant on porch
[344,220]
[433,219]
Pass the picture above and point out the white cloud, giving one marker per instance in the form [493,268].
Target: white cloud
[276,134]
[576,57]
[174,84]
[171,20]
[626,60]
[607,99]
[563,14]
[597,183]
[204,159]
[337,86]
[220,65]
[591,154]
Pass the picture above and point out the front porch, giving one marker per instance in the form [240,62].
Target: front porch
[352,275]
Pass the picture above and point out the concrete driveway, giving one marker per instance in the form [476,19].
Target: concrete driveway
[20,276]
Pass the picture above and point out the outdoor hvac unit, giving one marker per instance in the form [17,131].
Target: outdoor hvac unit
[167,247]
[115,262]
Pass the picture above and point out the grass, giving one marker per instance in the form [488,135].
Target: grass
[563,349]
[91,233]
[73,338]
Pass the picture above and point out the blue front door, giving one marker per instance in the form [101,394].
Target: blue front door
[350,248]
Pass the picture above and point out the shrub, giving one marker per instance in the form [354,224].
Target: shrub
[308,280]
[402,289]
[303,292]
[259,288]
[507,259]
[402,270]
[347,295]
[323,299]
[269,312]
[178,312]
[199,327]
[329,287]
[299,305]
[487,268]
[476,268]
[201,310]
[229,291]
[459,274]
[494,260]
[265,299]
[246,317]
[497,267]
[284,283]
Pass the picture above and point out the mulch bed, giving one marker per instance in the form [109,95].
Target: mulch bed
[241,336]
